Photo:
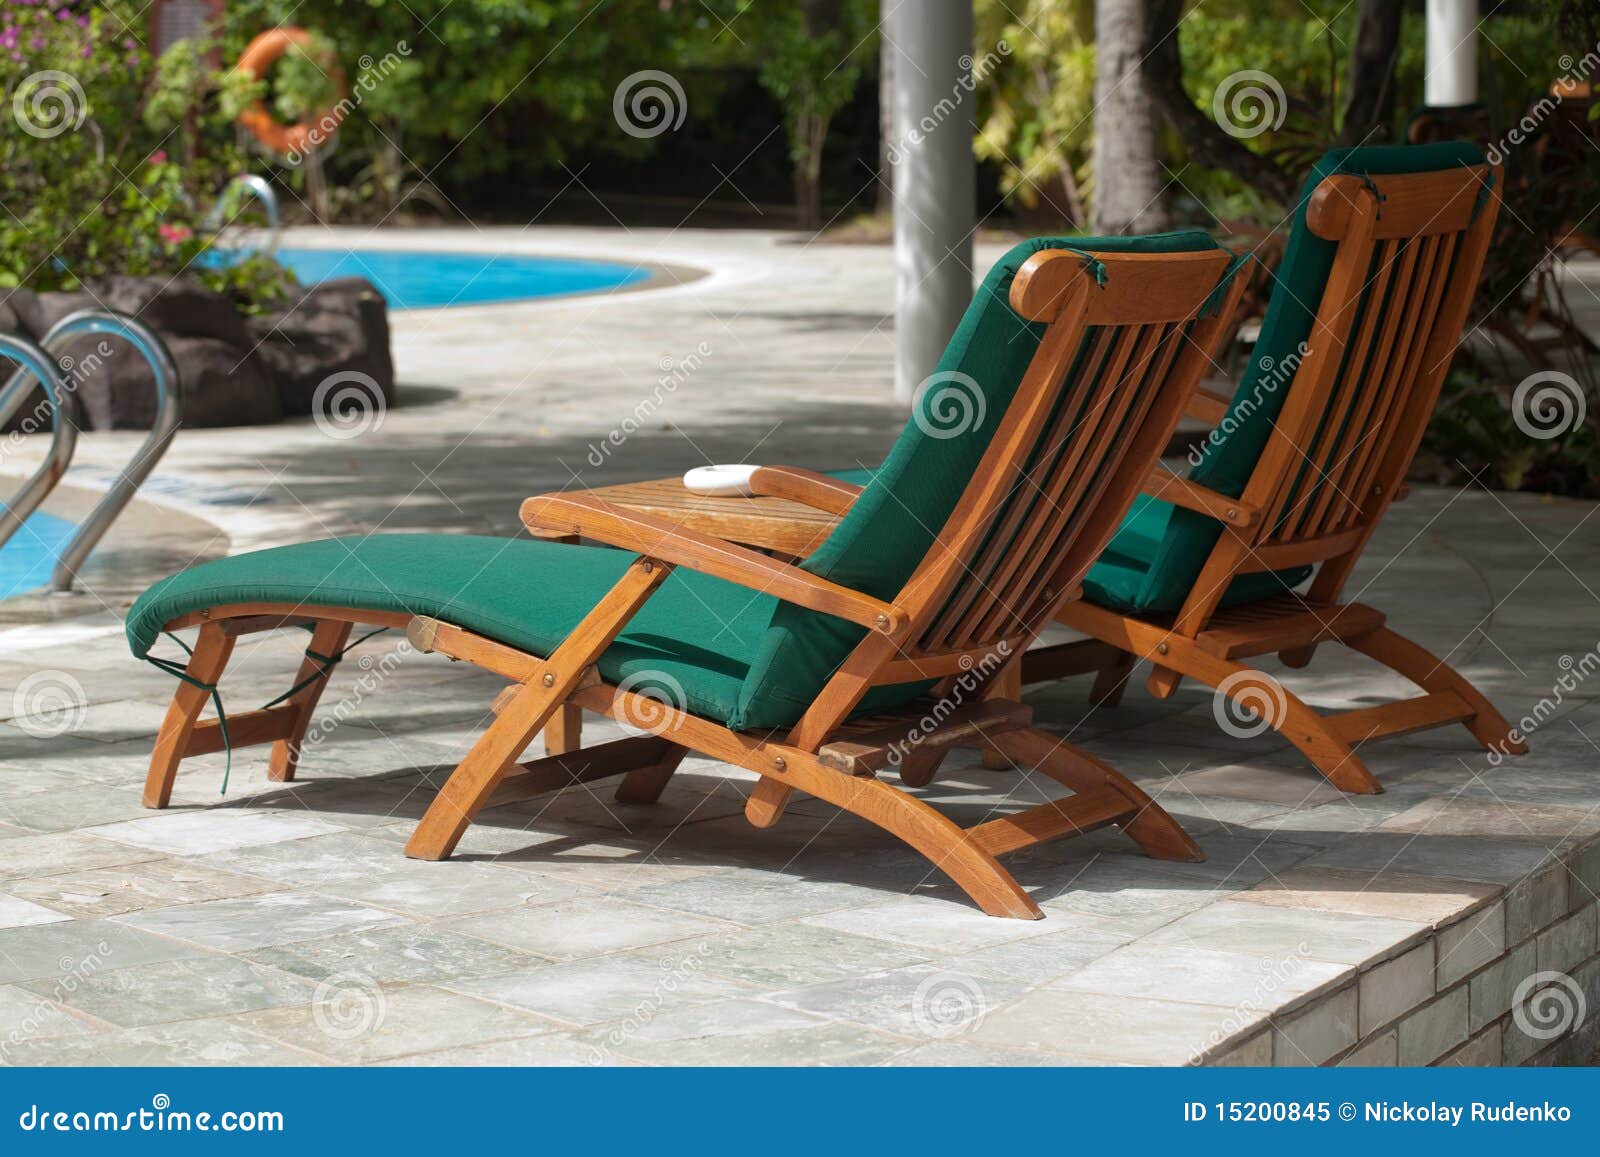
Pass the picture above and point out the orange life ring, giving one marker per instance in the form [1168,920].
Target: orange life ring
[307,136]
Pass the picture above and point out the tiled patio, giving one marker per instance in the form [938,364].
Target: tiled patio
[281,924]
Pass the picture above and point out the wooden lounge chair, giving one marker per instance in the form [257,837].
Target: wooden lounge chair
[886,645]
[1369,303]
[1382,263]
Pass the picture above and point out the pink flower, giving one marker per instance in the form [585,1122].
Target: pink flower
[175,234]
[159,157]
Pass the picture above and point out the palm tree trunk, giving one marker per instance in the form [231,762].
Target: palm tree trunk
[1128,177]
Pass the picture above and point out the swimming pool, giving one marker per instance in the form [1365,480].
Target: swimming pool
[27,560]
[418,280]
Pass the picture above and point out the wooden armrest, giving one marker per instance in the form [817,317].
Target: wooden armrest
[591,517]
[1207,406]
[1180,491]
[806,487]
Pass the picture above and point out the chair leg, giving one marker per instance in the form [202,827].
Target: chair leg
[564,733]
[919,768]
[1007,685]
[644,785]
[937,837]
[1155,831]
[1112,680]
[766,803]
[1431,673]
[212,651]
[474,780]
[1291,717]
[327,639]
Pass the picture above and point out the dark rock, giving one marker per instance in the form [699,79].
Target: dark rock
[39,311]
[223,384]
[179,308]
[235,370]
[338,327]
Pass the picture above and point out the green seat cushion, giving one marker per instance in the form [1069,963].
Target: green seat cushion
[906,501]
[691,643]
[1120,578]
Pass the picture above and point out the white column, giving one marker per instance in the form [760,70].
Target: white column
[1452,53]
[934,181]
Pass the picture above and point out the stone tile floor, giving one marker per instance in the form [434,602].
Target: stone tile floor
[280,924]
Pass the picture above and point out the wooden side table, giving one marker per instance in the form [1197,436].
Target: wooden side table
[775,524]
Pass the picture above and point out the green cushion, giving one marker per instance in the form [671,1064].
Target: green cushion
[905,503]
[1152,562]
[1142,575]
[692,642]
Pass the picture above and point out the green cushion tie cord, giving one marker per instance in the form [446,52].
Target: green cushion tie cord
[325,665]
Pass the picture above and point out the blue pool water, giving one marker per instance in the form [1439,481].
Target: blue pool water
[27,560]
[430,280]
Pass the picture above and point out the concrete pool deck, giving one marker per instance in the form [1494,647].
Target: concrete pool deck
[1446,920]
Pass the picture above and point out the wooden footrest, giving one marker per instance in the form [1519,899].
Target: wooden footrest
[1063,817]
[863,747]
[1402,718]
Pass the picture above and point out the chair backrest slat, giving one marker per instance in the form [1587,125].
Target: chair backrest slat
[1395,292]
[1125,346]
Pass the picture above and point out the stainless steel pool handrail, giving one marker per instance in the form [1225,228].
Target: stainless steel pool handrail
[261,189]
[169,415]
[35,364]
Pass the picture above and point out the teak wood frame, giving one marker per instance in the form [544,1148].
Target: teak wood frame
[1427,235]
[1002,567]
[1412,247]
